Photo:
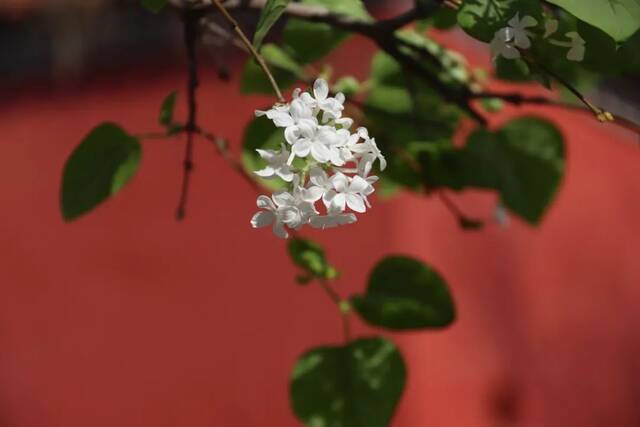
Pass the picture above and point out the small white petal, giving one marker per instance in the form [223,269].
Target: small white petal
[320,89]
[267,172]
[279,230]
[358,185]
[355,203]
[320,152]
[265,202]
[262,219]
[340,182]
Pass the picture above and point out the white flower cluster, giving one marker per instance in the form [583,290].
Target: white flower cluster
[509,40]
[334,164]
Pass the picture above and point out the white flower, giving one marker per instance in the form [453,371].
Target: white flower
[347,191]
[276,164]
[506,40]
[283,209]
[338,163]
[309,138]
[279,114]
[320,186]
[270,215]
[333,218]
[519,28]
[576,46]
[331,107]
[501,45]
[550,27]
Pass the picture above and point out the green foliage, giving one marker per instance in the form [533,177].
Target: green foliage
[260,133]
[166,110]
[98,168]
[358,384]
[618,18]
[309,41]
[310,257]
[482,18]
[284,68]
[407,118]
[271,12]
[348,85]
[403,294]
[523,161]
[154,6]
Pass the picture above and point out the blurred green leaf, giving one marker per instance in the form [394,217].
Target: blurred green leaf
[523,161]
[271,12]
[404,293]
[98,168]
[618,18]
[154,6]
[358,384]
[310,41]
[310,257]
[166,110]
[348,85]
[482,18]
[284,69]
[261,133]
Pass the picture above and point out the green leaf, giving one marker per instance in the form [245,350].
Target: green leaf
[348,85]
[271,12]
[355,385]
[310,257]
[309,41]
[154,6]
[523,161]
[618,18]
[403,293]
[284,69]
[97,169]
[261,133]
[482,18]
[628,56]
[166,110]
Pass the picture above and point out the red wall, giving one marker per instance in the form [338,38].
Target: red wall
[127,318]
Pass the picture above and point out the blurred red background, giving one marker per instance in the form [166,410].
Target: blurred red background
[128,318]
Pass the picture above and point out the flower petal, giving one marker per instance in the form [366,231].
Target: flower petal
[318,177]
[301,148]
[262,219]
[283,199]
[265,202]
[340,182]
[320,89]
[320,152]
[279,230]
[312,194]
[267,172]
[355,203]
[358,185]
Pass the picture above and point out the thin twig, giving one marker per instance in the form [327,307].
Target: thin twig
[518,100]
[249,45]
[190,37]
[460,216]
[223,149]
[335,297]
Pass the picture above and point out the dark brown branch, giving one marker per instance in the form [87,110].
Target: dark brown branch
[519,100]
[190,19]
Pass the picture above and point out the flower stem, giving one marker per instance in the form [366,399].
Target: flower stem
[342,305]
[261,62]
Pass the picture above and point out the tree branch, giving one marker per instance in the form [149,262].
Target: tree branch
[249,45]
[190,19]
[518,100]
